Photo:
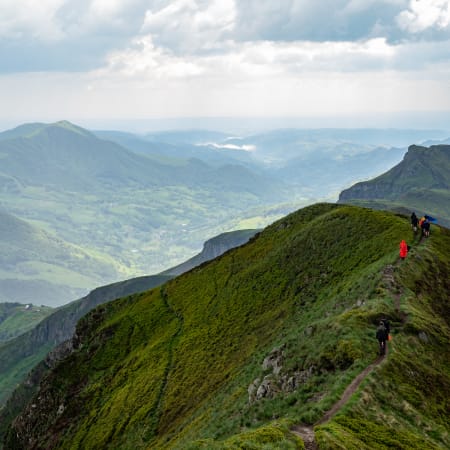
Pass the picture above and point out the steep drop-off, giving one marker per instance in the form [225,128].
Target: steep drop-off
[421,182]
[19,355]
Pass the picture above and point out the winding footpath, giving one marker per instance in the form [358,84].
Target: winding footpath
[306,432]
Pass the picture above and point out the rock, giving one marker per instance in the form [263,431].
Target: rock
[267,389]
[274,361]
[423,337]
[252,390]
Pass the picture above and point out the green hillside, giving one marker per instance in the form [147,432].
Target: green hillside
[421,183]
[18,356]
[16,318]
[235,352]
[38,267]
[146,212]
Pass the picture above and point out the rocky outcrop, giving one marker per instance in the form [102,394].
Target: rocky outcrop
[277,381]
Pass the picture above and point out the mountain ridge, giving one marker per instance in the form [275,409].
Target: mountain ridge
[419,182]
[264,336]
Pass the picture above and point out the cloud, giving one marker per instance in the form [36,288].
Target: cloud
[263,59]
[325,20]
[25,19]
[171,35]
[424,15]
[223,57]
[65,34]
[188,26]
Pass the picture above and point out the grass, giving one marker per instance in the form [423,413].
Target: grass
[170,368]
[16,319]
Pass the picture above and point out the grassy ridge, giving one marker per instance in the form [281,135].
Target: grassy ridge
[405,403]
[170,368]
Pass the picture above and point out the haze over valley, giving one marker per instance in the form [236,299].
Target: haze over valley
[116,205]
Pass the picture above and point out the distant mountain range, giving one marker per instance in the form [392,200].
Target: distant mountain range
[420,183]
[127,212]
[119,205]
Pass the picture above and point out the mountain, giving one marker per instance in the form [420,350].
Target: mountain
[16,319]
[238,351]
[38,267]
[19,355]
[65,155]
[98,195]
[421,182]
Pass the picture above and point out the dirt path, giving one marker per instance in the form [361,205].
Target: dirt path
[306,432]
[351,389]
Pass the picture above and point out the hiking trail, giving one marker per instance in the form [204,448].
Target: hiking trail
[306,432]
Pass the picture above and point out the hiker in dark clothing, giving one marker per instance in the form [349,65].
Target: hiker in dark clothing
[426,228]
[414,221]
[387,325]
[381,335]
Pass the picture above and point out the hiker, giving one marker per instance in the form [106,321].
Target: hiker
[387,326]
[421,221]
[414,221]
[381,335]
[426,228]
[403,249]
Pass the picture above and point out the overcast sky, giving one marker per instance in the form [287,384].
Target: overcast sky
[86,60]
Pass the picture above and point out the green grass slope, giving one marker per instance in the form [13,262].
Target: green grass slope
[38,267]
[16,318]
[421,182]
[234,352]
[19,355]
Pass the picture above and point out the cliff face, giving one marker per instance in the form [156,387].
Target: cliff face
[422,168]
[420,183]
[19,355]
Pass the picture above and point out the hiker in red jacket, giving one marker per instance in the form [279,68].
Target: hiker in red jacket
[403,249]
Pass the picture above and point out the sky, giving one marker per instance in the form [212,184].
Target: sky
[311,62]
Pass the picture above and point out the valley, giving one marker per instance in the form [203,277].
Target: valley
[124,205]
